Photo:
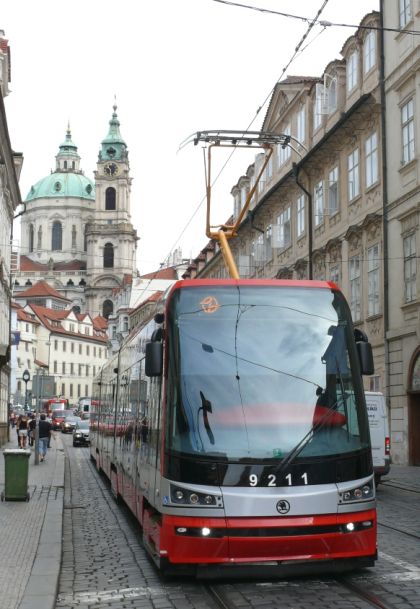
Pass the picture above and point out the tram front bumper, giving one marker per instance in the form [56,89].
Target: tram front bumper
[263,540]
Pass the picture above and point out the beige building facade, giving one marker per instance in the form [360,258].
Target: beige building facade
[402,101]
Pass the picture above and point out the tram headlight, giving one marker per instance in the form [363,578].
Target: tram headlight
[359,493]
[184,496]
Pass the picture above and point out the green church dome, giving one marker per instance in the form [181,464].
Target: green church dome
[67,180]
[60,184]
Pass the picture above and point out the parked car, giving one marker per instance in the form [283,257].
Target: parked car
[58,417]
[69,423]
[81,433]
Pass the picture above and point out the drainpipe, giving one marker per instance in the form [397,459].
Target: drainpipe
[308,194]
[384,204]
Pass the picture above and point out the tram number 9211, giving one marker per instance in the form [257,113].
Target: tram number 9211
[271,480]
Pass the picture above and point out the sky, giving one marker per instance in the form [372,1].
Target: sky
[174,67]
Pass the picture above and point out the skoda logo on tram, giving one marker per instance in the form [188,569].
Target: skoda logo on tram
[283,506]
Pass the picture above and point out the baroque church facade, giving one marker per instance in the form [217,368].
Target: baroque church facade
[76,233]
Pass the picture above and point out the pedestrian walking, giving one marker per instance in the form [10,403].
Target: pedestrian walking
[31,430]
[44,431]
[22,430]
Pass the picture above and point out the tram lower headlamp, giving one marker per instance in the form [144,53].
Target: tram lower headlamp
[359,493]
[184,496]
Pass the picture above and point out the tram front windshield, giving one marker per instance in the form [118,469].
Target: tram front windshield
[253,370]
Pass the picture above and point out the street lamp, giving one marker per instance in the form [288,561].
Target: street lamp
[26,378]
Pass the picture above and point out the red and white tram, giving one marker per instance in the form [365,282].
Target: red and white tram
[233,424]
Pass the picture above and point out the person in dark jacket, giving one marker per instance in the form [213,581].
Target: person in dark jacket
[44,430]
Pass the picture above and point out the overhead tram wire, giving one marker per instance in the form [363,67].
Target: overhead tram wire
[296,51]
[322,23]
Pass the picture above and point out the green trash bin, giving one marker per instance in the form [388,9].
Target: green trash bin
[16,467]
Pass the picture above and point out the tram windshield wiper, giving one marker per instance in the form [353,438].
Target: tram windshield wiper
[295,452]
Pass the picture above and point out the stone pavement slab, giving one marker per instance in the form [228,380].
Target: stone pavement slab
[31,533]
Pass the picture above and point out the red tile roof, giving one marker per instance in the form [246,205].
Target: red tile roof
[166,273]
[41,288]
[26,264]
[51,319]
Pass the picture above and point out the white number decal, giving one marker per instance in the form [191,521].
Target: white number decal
[289,479]
[253,480]
[305,478]
[271,480]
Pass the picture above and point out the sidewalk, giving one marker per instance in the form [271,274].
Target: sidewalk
[31,533]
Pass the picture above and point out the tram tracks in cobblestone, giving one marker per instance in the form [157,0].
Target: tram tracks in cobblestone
[369,597]
[397,530]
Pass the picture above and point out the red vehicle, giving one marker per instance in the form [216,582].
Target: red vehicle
[58,417]
[242,404]
[55,404]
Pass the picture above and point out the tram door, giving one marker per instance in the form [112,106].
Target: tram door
[414,427]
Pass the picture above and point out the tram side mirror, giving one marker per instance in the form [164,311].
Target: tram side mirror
[364,351]
[154,359]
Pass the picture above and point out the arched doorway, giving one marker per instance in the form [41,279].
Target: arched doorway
[414,409]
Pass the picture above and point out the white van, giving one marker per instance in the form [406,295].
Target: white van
[379,433]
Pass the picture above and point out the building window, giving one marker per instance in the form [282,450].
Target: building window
[63,389]
[71,368]
[108,256]
[63,367]
[107,308]
[80,349]
[94,351]
[369,52]
[39,246]
[79,392]
[371,153]
[55,345]
[373,280]
[354,276]
[375,383]
[125,322]
[71,390]
[351,75]
[333,191]
[407,125]
[284,151]
[73,236]
[284,231]
[57,237]
[319,203]
[86,389]
[31,237]
[55,367]
[353,174]
[110,199]
[80,369]
[317,111]
[300,215]
[87,350]
[64,346]
[405,12]
[335,275]
[72,347]
[300,129]
[410,268]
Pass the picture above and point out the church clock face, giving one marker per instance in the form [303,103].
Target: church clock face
[111,169]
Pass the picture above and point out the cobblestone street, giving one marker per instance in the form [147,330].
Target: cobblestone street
[105,566]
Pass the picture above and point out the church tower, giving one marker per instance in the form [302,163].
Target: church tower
[110,238]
